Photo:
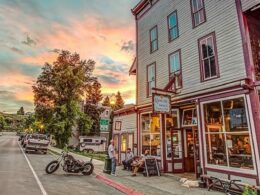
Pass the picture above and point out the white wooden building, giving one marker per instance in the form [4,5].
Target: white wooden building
[205,54]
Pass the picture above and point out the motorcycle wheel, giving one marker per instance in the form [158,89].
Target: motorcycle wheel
[52,167]
[88,169]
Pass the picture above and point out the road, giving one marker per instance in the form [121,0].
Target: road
[16,176]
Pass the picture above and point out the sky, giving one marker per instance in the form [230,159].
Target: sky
[31,31]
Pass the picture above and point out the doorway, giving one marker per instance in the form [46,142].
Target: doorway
[191,147]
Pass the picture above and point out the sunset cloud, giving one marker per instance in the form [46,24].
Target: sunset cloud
[31,34]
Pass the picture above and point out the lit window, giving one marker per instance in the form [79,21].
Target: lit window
[153,39]
[227,135]
[198,12]
[173,26]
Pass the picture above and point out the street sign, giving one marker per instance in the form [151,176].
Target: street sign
[104,124]
[161,104]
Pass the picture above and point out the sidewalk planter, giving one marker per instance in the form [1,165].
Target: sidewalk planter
[107,166]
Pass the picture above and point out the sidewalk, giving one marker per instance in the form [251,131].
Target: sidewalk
[165,184]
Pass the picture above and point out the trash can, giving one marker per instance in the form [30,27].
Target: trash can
[107,167]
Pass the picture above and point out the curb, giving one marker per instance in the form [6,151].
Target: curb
[118,186]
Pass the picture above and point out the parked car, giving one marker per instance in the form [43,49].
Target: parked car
[21,136]
[92,144]
[36,142]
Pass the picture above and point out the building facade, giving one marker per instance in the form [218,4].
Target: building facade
[125,131]
[205,55]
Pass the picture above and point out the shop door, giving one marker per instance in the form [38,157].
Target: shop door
[177,151]
[189,151]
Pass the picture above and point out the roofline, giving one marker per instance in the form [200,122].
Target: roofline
[128,109]
[140,6]
[131,71]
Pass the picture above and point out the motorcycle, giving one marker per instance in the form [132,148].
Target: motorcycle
[70,164]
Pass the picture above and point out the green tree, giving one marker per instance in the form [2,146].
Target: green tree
[84,124]
[106,102]
[93,93]
[2,123]
[119,101]
[20,111]
[58,91]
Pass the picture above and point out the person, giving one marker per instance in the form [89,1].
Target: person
[139,162]
[112,156]
[128,160]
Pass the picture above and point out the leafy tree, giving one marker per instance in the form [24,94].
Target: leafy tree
[84,124]
[119,101]
[93,93]
[2,123]
[106,101]
[20,111]
[58,91]
[93,111]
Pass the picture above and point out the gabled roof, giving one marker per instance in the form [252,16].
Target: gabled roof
[140,6]
[132,70]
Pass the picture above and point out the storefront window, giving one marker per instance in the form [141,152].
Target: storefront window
[130,141]
[151,134]
[123,143]
[227,134]
[172,121]
[189,117]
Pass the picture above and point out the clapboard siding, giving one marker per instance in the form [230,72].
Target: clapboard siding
[128,122]
[247,4]
[221,18]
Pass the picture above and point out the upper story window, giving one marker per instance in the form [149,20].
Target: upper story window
[153,39]
[150,78]
[198,12]
[173,29]
[208,57]
[175,69]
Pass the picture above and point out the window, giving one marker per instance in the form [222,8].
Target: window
[173,29]
[153,39]
[106,114]
[123,142]
[118,125]
[198,12]
[208,57]
[189,117]
[175,69]
[227,134]
[150,78]
[151,139]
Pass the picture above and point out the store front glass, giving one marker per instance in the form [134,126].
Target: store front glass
[227,134]
[151,139]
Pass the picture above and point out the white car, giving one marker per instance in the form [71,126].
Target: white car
[36,142]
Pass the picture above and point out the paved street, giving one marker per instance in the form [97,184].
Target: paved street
[16,177]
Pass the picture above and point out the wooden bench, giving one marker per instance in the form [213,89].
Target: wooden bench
[226,185]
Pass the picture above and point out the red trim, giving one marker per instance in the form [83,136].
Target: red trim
[177,25]
[202,74]
[192,14]
[147,89]
[154,27]
[169,66]
[136,12]
[162,116]
[232,173]
[137,57]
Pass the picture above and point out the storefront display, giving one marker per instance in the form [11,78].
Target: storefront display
[227,134]
[189,117]
[151,139]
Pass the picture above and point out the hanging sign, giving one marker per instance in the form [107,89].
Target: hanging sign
[161,104]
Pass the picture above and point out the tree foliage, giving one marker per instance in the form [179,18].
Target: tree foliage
[20,111]
[119,101]
[93,93]
[2,123]
[58,91]
[106,101]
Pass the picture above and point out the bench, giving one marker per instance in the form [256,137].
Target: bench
[226,185]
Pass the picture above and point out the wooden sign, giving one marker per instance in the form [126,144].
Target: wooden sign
[161,104]
[151,167]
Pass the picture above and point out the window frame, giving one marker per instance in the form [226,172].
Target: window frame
[169,29]
[169,68]
[118,125]
[193,14]
[150,37]
[147,82]
[229,168]
[202,72]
